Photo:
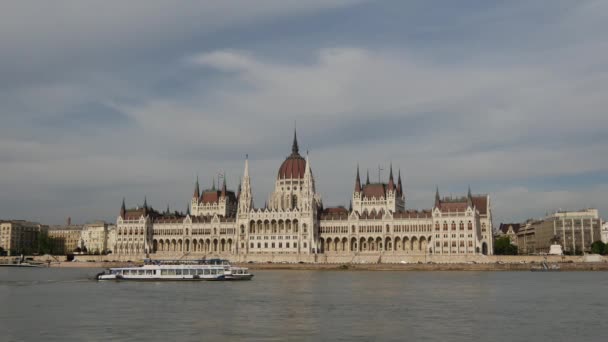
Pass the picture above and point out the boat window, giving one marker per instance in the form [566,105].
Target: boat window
[172,272]
[178,272]
[163,272]
[149,272]
[141,272]
[133,272]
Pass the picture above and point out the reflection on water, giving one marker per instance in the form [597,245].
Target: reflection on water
[63,304]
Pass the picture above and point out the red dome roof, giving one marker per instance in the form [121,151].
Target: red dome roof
[293,167]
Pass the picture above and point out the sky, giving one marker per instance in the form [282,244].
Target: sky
[101,100]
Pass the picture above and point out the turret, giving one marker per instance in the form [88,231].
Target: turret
[123,209]
[197,192]
[245,197]
[358,181]
[437,199]
[224,188]
[294,146]
[399,185]
[391,181]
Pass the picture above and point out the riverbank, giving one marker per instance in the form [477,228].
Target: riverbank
[567,266]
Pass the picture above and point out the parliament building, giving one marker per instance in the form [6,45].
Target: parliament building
[294,224]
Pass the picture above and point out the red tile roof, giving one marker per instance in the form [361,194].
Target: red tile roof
[293,167]
[213,196]
[481,203]
[376,190]
[453,206]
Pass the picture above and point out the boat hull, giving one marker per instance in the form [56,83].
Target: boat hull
[109,277]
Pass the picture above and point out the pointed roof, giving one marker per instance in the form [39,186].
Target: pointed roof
[367,181]
[391,181]
[246,172]
[294,165]
[197,191]
[437,198]
[123,208]
[399,185]
[294,146]
[224,188]
[358,181]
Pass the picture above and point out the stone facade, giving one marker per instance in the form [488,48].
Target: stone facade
[604,232]
[20,237]
[294,224]
[94,237]
[65,239]
[575,231]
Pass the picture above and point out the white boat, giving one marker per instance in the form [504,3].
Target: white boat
[177,271]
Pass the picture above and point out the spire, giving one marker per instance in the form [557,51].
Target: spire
[224,188]
[123,209]
[358,181]
[437,199]
[367,181]
[350,206]
[391,181]
[294,146]
[188,210]
[307,170]
[145,202]
[246,173]
[168,210]
[469,198]
[399,185]
[213,186]
[197,192]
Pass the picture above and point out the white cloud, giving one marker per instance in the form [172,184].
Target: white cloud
[447,122]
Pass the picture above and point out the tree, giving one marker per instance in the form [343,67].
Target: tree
[44,243]
[598,247]
[503,246]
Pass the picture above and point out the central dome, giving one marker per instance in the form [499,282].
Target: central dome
[294,166]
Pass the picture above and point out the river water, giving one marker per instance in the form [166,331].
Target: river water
[64,305]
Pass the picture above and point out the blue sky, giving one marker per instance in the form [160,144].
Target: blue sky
[100,100]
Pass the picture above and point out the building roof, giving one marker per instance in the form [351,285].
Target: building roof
[413,214]
[334,213]
[213,196]
[376,190]
[504,227]
[481,203]
[294,165]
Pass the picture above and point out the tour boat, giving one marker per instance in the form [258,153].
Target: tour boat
[164,270]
